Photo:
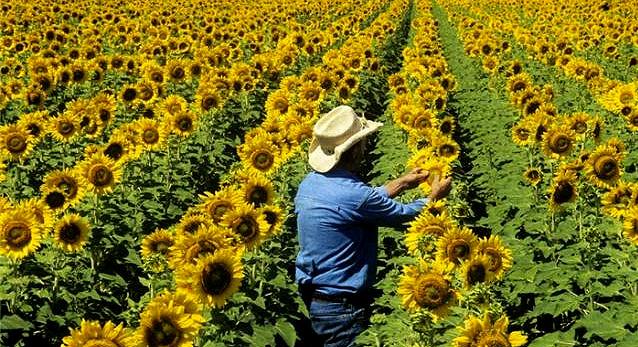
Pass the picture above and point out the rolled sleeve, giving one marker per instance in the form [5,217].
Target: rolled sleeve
[379,209]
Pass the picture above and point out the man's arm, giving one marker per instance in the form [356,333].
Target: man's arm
[440,188]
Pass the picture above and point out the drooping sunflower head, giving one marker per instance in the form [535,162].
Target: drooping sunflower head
[558,142]
[93,334]
[456,246]
[219,204]
[579,123]
[214,278]
[20,233]
[71,232]
[247,225]
[427,286]
[499,257]
[603,166]
[100,172]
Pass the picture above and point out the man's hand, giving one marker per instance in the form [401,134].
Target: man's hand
[407,181]
[440,188]
[414,178]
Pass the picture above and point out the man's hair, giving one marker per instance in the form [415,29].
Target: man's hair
[352,153]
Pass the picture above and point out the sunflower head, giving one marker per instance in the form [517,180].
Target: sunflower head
[427,286]
[92,333]
[456,246]
[219,204]
[247,224]
[533,175]
[257,190]
[20,233]
[558,142]
[499,257]
[563,189]
[71,232]
[603,166]
[214,278]
[476,270]
[100,172]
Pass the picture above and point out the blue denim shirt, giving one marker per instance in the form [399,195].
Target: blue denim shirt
[337,220]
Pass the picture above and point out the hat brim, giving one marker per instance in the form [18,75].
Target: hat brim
[321,161]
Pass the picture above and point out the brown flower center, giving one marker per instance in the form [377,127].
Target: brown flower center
[19,235]
[55,200]
[16,143]
[560,144]
[70,233]
[216,278]
[263,160]
[258,196]
[66,128]
[431,291]
[477,273]
[606,167]
[495,258]
[458,250]
[114,150]
[100,175]
[564,192]
[209,101]
[493,339]
[163,332]
[247,228]
[150,136]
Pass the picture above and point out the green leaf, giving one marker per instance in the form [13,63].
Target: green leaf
[14,322]
[287,332]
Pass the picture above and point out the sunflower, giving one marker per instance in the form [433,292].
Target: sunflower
[603,166]
[104,105]
[71,232]
[499,257]
[68,182]
[563,189]
[427,227]
[274,216]
[208,98]
[447,125]
[456,245]
[427,286]
[248,226]
[191,222]
[157,242]
[619,199]
[219,204]
[128,94]
[174,104]
[437,167]
[20,233]
[183,123]
[15,141]
[277,103]
[120,149]
[558,142]
[44,216]
[153,133]
[476,270]
[445,147]
[260,154]
[595,127]
[190,247]
[630,225]
[166,322]
[65,127]
[91,333]
[523,133]
[481,332]
[518,83]
[533,175]
[257,190]
[214,278]
[177,70]
[579,123]
[100,172]
[36,123]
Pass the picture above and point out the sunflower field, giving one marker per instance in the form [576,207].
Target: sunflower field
[150,151]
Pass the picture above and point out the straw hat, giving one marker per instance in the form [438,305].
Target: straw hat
[334,133]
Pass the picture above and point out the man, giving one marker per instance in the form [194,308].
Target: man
[337,219]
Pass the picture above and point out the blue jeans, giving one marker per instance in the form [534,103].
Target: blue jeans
[337,324]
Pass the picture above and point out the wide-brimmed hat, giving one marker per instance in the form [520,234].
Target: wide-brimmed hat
[334,133]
